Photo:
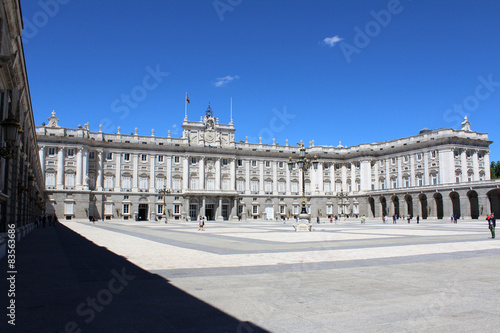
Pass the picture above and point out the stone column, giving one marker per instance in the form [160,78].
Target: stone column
[464,167]
[344,178]
[152,180]
[275,178]
[377,176]
[446,166]
[99,177]
[168,181]
[319,179]
[261,177]
[366,176]
[78,180]
[353,177]
[219,211]
[60,169]
[85,171]
[332,178]
[412,170]
[232,172]
[41,152]
[400,172]
[387,173]
[247,177]
[202,209]
[135,173]
[475,166]
[201,171]
[465,210]
[426,169]
[487,171]
[288,183]
[185,173]
[217,174]
[118,175]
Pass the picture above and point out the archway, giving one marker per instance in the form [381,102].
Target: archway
[474,204]
[371,202]
[494,197]
[423,205]
[383,203]
[438,198]
[455,201]
[409,204]
[395,202]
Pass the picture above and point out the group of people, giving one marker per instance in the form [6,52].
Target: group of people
[43,220]
[395,217]
[454,219]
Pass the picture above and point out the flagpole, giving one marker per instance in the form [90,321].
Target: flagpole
[231,110]
[186,107]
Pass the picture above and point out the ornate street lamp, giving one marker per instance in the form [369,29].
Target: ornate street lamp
[164,192]
[10,129]
[304,164]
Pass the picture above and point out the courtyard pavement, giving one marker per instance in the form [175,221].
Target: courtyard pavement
[259,276]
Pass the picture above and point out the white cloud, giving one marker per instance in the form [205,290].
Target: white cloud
[222,81]
[331,41]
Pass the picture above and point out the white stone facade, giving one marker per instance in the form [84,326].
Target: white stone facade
[433,174]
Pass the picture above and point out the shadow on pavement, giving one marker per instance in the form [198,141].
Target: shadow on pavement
[65,283]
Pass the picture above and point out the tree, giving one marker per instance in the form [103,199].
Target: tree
[495,170]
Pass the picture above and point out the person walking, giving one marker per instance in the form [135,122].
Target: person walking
[201,223]
[317,219]
[491,224]
[409,218]
[418,219]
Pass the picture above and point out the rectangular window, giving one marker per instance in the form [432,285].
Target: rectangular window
[194,184]
[326,187]
[419,156]
[240,163]
[126,209]
[268,164]
[295,209]
[109,156]
[210,185]
[225,185]
[127,183]
[144,157]
[159,209]
[254,186]
[68,208]
[329,209]
[254,163]
[70,180]
[241,185]
[108,209]
[194,160]
[177,209]
[224,161]
[268,186]
[52,151]
[143,183]
[108,182]
[176,159]
[281,165]
[177,184]
[255,209]
[160,183]
[50,179]
[160,158]
[433,154]
[393,160]
[282,209]
[281,187]
[71,152]
[91,155]
[126,157]
[295,187]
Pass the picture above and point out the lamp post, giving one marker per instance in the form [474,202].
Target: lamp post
[304,164]
[164,192]
[341,197]
[11,128]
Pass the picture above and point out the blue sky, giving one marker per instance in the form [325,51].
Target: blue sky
[355,71]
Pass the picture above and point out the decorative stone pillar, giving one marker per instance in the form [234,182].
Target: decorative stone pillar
[201,185]
[475,165]
[78,180]
[85,171]
[261,177]
[232,171]
[135,173]
[60,169]
[118,174]
[99,165]
[152,182]
[185,173]
[217,174]
[41,152]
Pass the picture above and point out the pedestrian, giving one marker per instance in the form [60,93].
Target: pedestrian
[331,219]
[409,218]
[418,219]
[386,220]
[317,219]
[455,218]
[201,224]
[492,224]
[394,219]
[452,218]
[363,219]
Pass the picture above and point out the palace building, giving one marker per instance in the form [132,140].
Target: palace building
[434,174]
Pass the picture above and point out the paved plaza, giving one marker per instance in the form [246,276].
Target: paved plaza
[345,277]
